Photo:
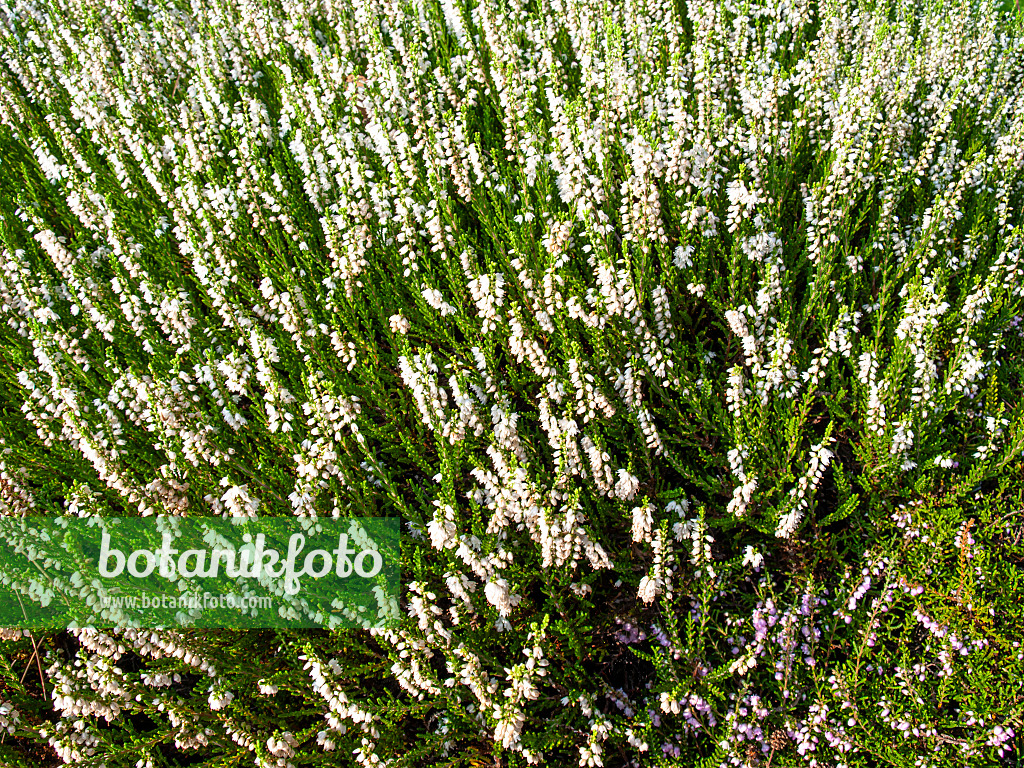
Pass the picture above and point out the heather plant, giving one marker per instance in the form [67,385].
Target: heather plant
[685,339]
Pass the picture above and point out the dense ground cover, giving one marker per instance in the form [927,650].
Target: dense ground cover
[685,338]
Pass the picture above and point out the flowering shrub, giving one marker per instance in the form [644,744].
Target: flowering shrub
[684,337]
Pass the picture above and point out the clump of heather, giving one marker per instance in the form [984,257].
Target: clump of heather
[685,338]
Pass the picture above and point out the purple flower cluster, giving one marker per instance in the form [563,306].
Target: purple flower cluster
[629,633]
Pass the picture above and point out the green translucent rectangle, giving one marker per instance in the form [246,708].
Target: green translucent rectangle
[209,572]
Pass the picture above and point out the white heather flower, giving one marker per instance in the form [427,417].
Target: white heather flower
[497,595]
[902,440]
[662,313]
[599,467]
[434,298]
[324,740]
[682,256]
[399,324]
[800,494]
[443,531]
[642,520]
[431,399]
[741,496]
[488,293]
[9,717]
[743,664]
[750,557]
[284,746]
[648,590]
[453,20]
[627,485]
[741,202]
[239,503]
[510,725]
[220,700]
[788,523]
